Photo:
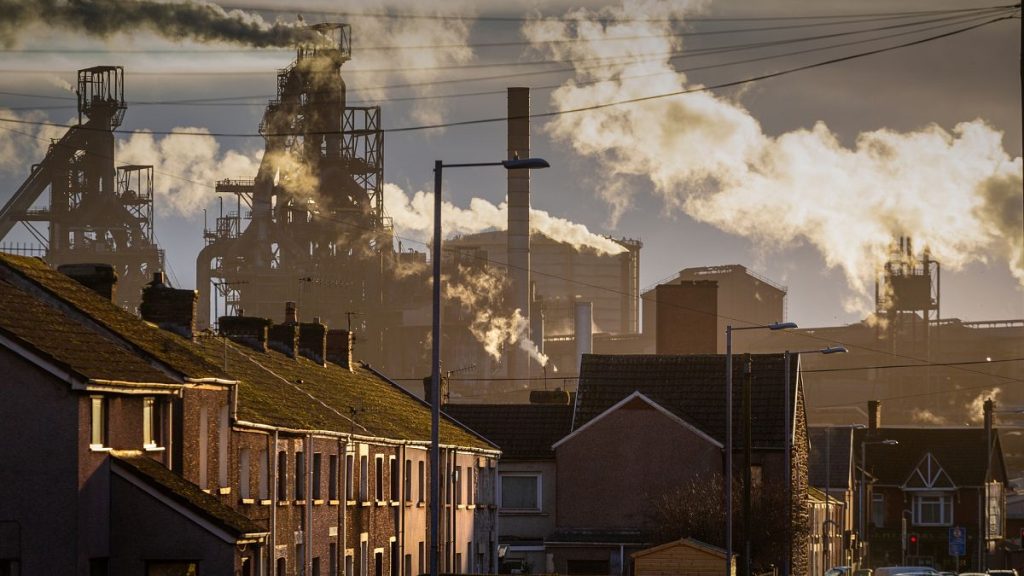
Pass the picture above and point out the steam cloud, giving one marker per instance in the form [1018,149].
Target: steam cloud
[414,217]
[956,192]
[186,165]
[195,20]
[479,293]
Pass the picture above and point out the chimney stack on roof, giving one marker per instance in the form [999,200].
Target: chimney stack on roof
[245,330]
[339,348]
[313,341]
[291,313]
[169,308]
[285,337]
[100,278]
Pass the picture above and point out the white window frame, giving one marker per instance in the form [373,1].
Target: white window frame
[945,501]
[98,422]
[537,476]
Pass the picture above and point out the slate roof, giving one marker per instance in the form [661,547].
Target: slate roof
[186,493]
[54,335]
[172,351]
[522,431]
[297,393]
[838,475]
[273,389]
[960,451]
[692,387]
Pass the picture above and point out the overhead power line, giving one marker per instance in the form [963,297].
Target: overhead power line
[599,106]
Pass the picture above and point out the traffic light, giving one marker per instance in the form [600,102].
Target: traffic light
[912,544]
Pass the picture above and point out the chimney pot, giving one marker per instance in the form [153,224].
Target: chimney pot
[100,278]
[339,348]
[291,313]
[169,308]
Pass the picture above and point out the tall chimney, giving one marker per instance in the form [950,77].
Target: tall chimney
[874,415]
[518,236]
[169,308]
[583,330]
[339,348]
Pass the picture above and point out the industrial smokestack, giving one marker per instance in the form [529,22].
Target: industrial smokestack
[584,330]
[518,237]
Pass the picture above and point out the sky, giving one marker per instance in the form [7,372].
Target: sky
[803,177]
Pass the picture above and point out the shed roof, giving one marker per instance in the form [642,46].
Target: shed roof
[692,387]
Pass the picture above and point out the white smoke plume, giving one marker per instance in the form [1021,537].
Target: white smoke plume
[976,407]
[414,218]
[22,145]
[192,20]
[186,166]
[956,192]
[480,293]
[927,417]
[419,47]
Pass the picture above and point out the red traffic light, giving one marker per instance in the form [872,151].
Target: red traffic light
[913,538]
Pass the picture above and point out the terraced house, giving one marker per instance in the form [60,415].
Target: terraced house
[138,447]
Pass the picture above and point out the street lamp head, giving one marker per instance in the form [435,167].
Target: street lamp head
[781,325]
[525,164]
[834,350]
[890,442]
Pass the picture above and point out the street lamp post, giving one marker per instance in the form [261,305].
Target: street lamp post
[787,430]
[435,358]
[863,478]
[727,475]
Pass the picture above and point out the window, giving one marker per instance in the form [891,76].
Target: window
[408,481]
[264,475]
[151,422]
[99,422]
[300,475]
[243,474]
[878,510]
[332,561]
[935,510]
[282,475]
[350,493]
[224,435]
[520,491]
[421,553]
[470,487]
[364,480]
[282,566]
[421,490]
[332,477]
[458,486]
[315,570]
[408,565]
[350,565]
[204,447]
[317,493]
[364,556]
[379,479]
[300,560]
[396,479]
[378,563]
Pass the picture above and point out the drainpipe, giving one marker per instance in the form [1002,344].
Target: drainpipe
[307,532]
[272,465]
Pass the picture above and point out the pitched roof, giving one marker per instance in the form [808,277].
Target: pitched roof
[54,335]
[277,390]
[186,493]
[522,431]
[688,542]
[273,389]
[960,451]
[690,386]
[829,444]
[34,277]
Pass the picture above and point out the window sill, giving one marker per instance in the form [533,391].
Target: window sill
[365,503]
[421,504]
[284,503]
[317,502]
[333,502]
[153,448]
[99,448]
[300,502]
[396,503]
[224,491]
[350,502]
[266,502]
[247,501]
[380,502]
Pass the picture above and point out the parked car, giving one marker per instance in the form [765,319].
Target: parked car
[1003,572]
[838,571]
[906,570]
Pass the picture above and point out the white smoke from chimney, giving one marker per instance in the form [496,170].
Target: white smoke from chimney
[479,294]
[187,166]
[24,144]
[955,192]
[414,218]
[976,407]
[421,45]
